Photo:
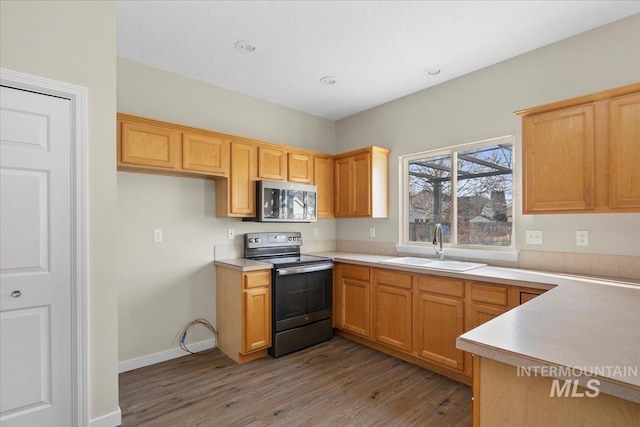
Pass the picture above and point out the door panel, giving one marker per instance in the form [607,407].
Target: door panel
[25,220]
[24,336]
[35,272]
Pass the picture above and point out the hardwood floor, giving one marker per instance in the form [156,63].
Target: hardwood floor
[336,383]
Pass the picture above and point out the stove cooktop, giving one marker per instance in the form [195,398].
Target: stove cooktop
[296,260]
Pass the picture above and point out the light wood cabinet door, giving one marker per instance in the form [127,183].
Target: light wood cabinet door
[356,307]
[343,184]
[272,163]
[242,180]
[393,308]
[624,152]
[243,313]
[481,313]
[236,196]
[558,167]
[439,321]
[323,179]
[361,184]
[361,190]
[257,319]
[355,300]
[205,154]
[300,168]
[147,145]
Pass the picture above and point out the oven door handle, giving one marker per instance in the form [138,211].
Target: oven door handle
[303,269]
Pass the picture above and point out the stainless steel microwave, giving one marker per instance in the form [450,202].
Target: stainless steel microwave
[280,201]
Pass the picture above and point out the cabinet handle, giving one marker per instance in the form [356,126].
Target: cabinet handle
[16,294]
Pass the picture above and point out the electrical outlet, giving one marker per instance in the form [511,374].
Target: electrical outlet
[534,237]
[157,235]
[372,232]
[231,233]
[316,232]
[582,238]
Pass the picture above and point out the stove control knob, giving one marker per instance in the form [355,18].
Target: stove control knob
[290,239]
[251,240]
[299,238]
[257,240]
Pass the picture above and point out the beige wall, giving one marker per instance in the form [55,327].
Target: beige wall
[480,105]
[162,286]
[75,42]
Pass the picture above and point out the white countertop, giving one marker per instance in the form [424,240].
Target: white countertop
[243,264]
[587,324]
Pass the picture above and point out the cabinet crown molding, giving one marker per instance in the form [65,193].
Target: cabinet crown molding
[584,99]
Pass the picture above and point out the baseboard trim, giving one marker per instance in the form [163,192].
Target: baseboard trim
[110,420]
[162,356]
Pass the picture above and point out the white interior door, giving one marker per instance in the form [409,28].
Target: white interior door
[35,260]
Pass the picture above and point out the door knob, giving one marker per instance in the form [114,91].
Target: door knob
[16,294]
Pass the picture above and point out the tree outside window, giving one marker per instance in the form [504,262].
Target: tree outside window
[473,201]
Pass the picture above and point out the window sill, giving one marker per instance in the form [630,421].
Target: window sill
[478,254]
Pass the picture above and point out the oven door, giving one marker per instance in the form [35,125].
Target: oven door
[302,295]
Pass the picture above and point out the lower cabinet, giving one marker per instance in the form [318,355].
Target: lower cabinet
[527,294]
[257,317]
[393,308]
[354,291]
[440,320]
[418,317]
[487,301]
[243,313]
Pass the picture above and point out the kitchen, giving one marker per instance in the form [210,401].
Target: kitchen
[162,286]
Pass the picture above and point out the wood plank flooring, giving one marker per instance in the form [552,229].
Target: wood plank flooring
[336,383]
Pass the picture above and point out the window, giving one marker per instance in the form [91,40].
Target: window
[473,201]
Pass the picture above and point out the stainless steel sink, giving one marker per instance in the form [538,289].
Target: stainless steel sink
[433,264]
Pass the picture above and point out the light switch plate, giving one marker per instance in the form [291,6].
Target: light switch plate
[372,232]
[534,237]
[231,233]
[316,233]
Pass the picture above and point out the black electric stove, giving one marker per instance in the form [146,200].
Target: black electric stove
[301,290]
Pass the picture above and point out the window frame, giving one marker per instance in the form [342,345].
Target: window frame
[506,253]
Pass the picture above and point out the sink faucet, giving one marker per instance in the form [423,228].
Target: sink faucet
[437,233]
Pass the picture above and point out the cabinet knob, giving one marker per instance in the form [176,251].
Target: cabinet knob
[16,294]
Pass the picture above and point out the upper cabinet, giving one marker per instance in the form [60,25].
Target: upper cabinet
[624,151]
[361,183]
[582,154]
[350,185]
[300,168]
[205,153]
[150,145]
[323,179]
[236,196]
[272,163]
[559,151]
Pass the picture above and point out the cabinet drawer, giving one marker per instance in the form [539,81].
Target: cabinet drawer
[256,279]
[440,285]
[489,294]
[392,278]
[526,294]
[355,272]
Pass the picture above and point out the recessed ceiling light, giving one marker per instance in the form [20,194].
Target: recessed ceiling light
[432,71]
[328,80]
[245,47]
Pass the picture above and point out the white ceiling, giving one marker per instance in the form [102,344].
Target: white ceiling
[377,50]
